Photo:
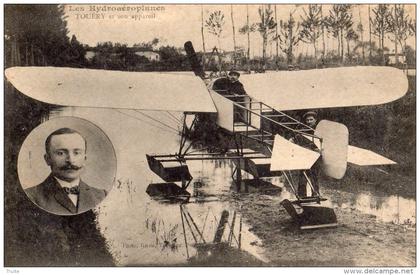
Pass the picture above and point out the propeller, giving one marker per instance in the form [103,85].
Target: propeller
[192,56]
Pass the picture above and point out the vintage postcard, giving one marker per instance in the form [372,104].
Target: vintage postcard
[277,135]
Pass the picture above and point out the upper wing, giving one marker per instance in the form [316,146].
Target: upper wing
[324,88]
[112,89]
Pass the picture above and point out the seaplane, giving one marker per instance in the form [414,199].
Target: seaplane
[261,138]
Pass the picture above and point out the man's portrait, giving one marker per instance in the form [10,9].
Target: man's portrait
[66,190]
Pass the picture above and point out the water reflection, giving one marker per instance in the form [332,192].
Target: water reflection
[393,209]
[142,231]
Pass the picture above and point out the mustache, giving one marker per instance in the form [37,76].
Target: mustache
[70,167]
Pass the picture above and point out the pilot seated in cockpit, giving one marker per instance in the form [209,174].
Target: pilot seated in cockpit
[233,89]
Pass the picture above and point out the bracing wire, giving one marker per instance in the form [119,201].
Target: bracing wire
[148,123]
[152,118]
[174,117]
[172,120]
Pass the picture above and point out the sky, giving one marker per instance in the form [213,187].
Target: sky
[176,24]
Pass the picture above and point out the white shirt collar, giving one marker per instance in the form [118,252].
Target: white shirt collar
[64,183]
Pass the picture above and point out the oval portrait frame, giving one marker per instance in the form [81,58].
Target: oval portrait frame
[98,175]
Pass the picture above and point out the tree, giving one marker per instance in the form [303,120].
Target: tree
[277,41]
[410,54]
[214,26]
[248,29]
[289,37]
[331,22]
[266,27]
[171,59]
[412,29]
[233,36]
[36,35]
[150,45]
[370,34]
[203,59]
[337,22]
[351,35]
[311,27]
[401,26]
[115,57]
[76,53]
[360,29]
[103,54]
[366,46]
[380,26]
[323,36]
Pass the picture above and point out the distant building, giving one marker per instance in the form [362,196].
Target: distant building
[227,56]
[90,55]
[151,55]
[391,60]
[181,51]
[231,55]
[211,57]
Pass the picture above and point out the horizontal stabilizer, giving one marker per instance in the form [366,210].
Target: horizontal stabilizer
[360,156]
[327,88]
[113,89]
[289,156]
[365,157]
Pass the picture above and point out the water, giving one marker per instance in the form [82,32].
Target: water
[392,208]
[142,231]
[137,228]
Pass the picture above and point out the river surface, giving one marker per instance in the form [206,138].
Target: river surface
[142,231]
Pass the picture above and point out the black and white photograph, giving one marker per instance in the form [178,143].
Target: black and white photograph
[210,135]
[59,173]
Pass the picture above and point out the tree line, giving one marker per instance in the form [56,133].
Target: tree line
[117,56]
[385,22]
[37,35]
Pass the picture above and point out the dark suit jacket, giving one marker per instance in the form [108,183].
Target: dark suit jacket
[236,88]
[51,197]
[225,87]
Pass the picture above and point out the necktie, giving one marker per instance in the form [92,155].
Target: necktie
[72,190]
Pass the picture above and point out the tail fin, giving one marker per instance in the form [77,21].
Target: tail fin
[334,147]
